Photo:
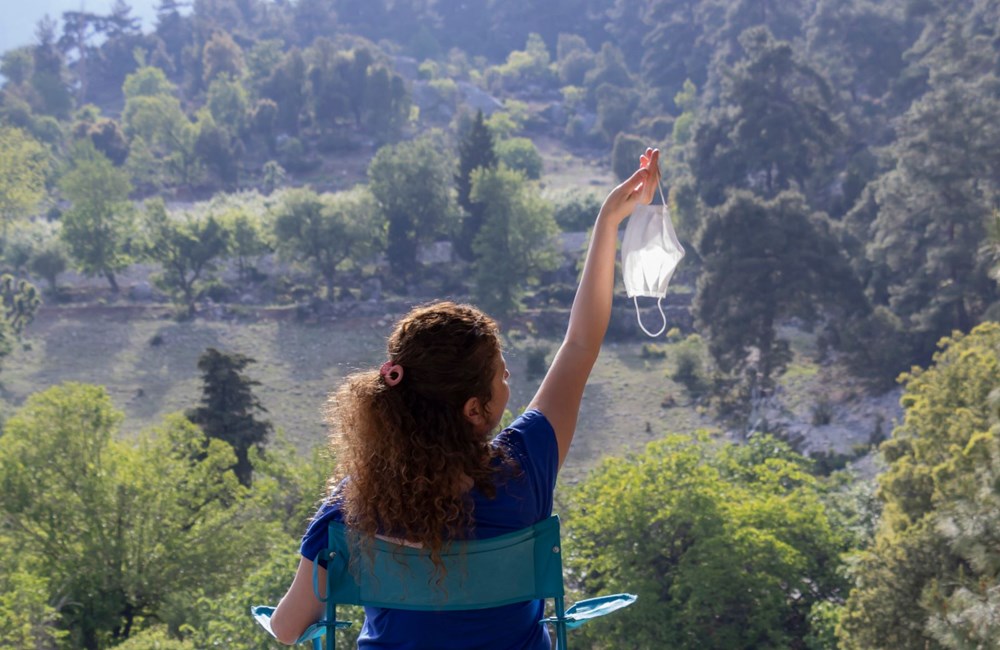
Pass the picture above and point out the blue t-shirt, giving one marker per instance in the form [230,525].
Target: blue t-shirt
[520,501]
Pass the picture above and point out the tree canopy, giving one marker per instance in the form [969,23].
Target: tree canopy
[929,579]
[126,531]
[726,545]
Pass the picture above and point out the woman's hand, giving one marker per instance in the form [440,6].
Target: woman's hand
[639,188]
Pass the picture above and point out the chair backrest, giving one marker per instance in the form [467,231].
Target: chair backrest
[516,567]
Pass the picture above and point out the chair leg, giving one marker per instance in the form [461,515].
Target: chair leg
[331,625]
[560,624]
[317,645]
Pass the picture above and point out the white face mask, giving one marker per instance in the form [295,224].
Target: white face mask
[650,253]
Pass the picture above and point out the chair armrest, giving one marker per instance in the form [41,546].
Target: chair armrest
[585,610]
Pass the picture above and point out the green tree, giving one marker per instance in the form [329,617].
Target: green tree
[329,232]
[934,210]
[615,107]
[229,409]
[16,65]
[764,261]
[625,153]
[50,80]
[609,68]
[411,183]
[220,151]
[287,88]
[783,19]
[530,66]
[264,122]
[929,579]
[521,154]
[187,249]
[674,46]
[774,128]
[147,81]
[262,58]
[272,176]
[573,59]
[125,531]
[23,167]
[153,113]
[27,619]
[727,546]
[19,300]
[353,71]
[287,485]
[247,239]
[227,101]
[517,240]
[222,56]
[328,84]
[476,150]
[860,45]
[387,102]
[144,168]
[98,224]
[108,138]
[49,261]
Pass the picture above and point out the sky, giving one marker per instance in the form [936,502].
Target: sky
[19,17]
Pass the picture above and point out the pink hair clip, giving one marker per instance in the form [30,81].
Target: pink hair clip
[391,372]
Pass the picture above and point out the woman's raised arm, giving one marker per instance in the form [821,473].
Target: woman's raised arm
[561,392]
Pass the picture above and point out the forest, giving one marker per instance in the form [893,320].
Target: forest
[309,168]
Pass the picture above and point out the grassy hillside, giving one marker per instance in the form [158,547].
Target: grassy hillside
[149,364]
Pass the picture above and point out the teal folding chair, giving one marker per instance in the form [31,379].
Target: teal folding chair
[516,567]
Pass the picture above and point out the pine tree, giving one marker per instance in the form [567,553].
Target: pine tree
[765,261]
[934,208]
[228,407]
[775,127]
[476,150]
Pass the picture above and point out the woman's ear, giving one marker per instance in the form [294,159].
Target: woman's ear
[474,413]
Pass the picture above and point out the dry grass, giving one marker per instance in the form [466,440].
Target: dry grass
[298,364]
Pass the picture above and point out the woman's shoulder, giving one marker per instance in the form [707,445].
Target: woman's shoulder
[314,539]
[531,441]
[530,432]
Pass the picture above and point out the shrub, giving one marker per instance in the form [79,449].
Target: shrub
[625,154]
[653,351]
[576,212]
[689,367]
[822,412]
[522,155]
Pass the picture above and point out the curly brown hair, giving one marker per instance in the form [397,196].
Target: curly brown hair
[407,450]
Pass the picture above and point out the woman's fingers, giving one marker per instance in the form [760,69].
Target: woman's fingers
[654,167]
[646,158]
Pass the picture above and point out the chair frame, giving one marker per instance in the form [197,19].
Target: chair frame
[396,576]
[403,577]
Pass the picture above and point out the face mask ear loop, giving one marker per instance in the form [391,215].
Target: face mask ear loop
[662,198]
[638,316]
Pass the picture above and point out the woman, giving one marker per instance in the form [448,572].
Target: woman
[416,463]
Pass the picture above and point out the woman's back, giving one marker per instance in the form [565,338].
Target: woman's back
[523,497]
